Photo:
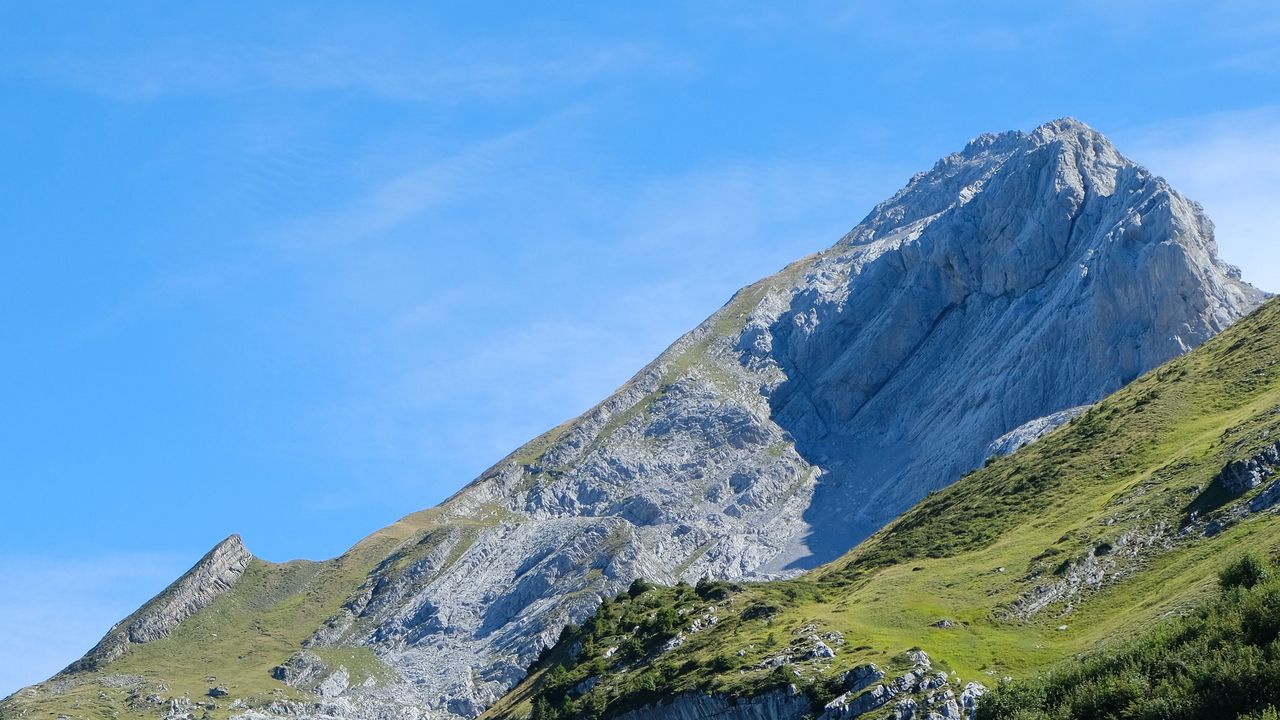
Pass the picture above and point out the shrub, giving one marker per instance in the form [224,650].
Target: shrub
[712,590]
[665,623]
[1220,662]
[724,662]
[1246,572]
[759,611]
[638,588]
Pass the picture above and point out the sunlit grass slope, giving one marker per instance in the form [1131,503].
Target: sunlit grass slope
[235,642]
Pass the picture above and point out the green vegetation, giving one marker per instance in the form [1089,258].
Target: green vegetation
[633,631]
[1108,497]
[1222,661]
[237,640]
[1246,572]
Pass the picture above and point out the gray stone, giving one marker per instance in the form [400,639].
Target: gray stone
[1241,476]
[786,703]
[1031,431]
[861,677]
[970,696]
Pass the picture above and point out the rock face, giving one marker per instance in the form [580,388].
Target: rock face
[918,693]
[1025,275]
[1031,431]
[213,576]
[778,705]
[1022,276]
[1241,476]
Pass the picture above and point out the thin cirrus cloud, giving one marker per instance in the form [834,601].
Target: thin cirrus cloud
[388,202]
[400,71]
[696,237]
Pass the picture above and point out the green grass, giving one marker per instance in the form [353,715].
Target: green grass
[1141,460]
[235,641]
[1220,661]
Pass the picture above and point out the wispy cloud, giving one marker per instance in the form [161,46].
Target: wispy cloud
[362,62]
[637,261]
[389,202]
[1227,162]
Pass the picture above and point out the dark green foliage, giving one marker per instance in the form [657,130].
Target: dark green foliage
[1221,662]
[1146,399]
[713,590]
[1093,423]
[638,588]
[760,611]
[724,662]
[542,709]
[637,624]
[1246,572]
[664,623]
[632,647]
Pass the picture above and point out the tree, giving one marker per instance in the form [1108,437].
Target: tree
[638,588]
[542,710]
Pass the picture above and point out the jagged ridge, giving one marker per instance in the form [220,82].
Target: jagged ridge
[215,574]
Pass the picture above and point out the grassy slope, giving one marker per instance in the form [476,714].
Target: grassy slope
[1143,457]
[1222,661]
[234,642]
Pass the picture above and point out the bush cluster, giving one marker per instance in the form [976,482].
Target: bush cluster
[638,622]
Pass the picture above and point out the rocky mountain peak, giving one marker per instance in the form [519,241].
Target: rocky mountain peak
[1015,245]
[1027,274]
[1060,162]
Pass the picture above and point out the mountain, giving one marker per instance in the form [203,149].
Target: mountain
[1118,525]
[1025,275]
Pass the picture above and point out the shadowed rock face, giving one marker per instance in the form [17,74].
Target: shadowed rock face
[1027,274]
[1021,276]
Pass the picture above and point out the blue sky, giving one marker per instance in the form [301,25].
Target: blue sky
[294,271]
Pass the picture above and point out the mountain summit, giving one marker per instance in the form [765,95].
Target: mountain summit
[1028,274]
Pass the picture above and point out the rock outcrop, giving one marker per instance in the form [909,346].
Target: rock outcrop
[209,579]
[776,705]
[1027,274]
[1241,476]
[919,692]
